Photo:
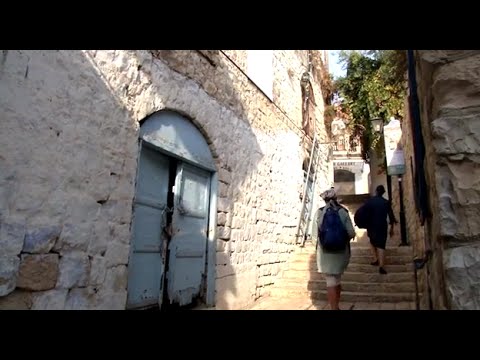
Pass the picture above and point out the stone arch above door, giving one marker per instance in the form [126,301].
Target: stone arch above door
[341,175]
[179,137]
[344,181]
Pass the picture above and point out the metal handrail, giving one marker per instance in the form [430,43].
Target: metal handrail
[418,264]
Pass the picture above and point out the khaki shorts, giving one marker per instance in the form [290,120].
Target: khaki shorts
[332,280]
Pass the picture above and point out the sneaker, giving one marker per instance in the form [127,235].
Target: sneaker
[374,263]
[382,271]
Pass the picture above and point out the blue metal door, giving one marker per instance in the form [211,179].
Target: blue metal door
[188,246]
[148,249]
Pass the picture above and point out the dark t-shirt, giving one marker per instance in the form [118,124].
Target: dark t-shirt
[378,209]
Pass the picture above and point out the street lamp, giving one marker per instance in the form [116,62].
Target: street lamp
[377,125]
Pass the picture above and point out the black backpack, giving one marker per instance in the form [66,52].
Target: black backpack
[361,217]
[332,234]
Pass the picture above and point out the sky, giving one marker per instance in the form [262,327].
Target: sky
[335,67]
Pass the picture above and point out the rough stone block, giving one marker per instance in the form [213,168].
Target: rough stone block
[74,237]
[38,272]
[41,240]
[224,204]
[116,279]
[12,235]
[117,254]
[50,300]
[81,299]
[223,259]
[223,232]
[100,239]
[445,56]
[8,274]
[221,219]
[462,271]
[457,84]
[120,233]
[238,222]
[225,270]
[457,134]
[16,300]
[98,270]
[109,300]
[74,271]
[117,211]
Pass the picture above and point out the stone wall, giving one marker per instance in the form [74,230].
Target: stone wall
[69,158]
[415,229]
[449,91]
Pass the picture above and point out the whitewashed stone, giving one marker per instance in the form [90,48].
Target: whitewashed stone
[80,299]
[100,238]
[121,233]
[8,274]
[12,235]
[117,254]
[113,295]
[98,270]
[50,300]
[74,271]
[41,240]
[109,300]
[221,219]
[74,237]
[117,211]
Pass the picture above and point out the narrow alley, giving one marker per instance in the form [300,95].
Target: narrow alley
[170,180]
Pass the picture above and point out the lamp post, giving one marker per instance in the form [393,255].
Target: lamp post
[377,125]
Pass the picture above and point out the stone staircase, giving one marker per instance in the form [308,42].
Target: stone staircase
[361,283]
[301,287]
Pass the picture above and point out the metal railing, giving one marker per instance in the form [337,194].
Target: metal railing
[418,264]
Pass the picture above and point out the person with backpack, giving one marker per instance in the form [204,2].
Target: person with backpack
[373,216]
[333,230]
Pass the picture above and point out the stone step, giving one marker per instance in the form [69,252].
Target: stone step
[269,303]
[344,305]
[346,296]
[380,306]
[390,268]
[361,249]
[383,287]
[364,268]
[389,260]
[360,277]
[395,251]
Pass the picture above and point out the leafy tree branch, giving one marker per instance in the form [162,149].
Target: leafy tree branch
[374,86]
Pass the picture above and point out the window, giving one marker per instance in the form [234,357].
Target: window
[260,70]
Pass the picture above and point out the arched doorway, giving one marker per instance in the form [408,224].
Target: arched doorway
[172,256]
[344,182]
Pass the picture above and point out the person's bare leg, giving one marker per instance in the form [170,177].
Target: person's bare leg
[332,296]
[375,255]
[381,260]
[338,289]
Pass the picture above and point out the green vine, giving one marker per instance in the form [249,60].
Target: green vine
[374,86]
